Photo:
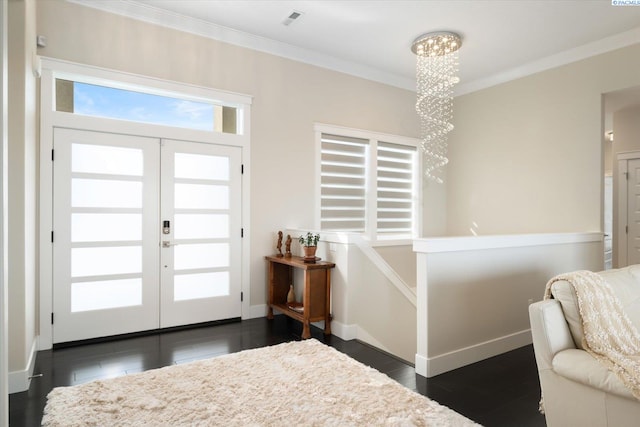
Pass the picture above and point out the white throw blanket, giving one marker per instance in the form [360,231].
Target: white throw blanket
[609,335]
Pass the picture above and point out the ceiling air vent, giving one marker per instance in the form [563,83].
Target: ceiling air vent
[293,16]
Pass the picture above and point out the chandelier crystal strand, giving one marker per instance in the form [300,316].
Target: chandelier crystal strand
[436,75]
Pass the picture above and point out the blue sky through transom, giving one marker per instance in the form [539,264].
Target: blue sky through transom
[102,101]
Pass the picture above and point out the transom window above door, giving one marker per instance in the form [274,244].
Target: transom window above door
[140,105]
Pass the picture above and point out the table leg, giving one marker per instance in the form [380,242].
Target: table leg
[306,332]
[327,307]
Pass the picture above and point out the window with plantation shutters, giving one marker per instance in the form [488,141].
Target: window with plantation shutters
[368,183]
[343,173]
[395,189]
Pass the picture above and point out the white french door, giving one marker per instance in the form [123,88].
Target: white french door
[201,254]
[144,234]
[633,211]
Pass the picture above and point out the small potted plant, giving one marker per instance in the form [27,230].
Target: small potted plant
[309,243]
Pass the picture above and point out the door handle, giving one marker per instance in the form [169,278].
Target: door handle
[168,244]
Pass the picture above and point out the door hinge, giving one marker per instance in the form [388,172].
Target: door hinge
[52,156]
[626,229]
[241,169]
[51,236]
[626,175]
[241,296]
[242,232]
[52,318]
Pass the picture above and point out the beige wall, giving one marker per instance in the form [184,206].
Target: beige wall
[4,124]
[626,128]
[526,156]
[403,261]
[288,98]
[22,188]
[383,313]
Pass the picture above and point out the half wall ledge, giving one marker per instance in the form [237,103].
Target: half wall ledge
[473,292]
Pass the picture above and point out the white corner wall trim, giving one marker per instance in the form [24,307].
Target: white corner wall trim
[471,243]
[429,367]
[20,380]
[421,365]
[344,331]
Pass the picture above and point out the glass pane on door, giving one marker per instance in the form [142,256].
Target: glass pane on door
[207,226]
[104,294]
[207,255]
[198,166]
[105,193]
[106,160]
[201,196]
[106,261]
[203,285]
[99,227]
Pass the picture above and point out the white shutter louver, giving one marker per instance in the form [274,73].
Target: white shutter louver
[395,198]
[343,183]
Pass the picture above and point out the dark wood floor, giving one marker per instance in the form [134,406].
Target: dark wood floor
[501,391]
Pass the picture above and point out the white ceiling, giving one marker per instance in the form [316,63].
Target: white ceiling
[502,39]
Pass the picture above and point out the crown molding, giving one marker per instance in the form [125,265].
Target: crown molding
[588,50]
[153,15]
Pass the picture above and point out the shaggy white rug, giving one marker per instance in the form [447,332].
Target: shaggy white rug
[297,383]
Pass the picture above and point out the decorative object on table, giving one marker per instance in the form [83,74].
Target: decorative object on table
[296,306]
[279,245]
[436,74]
[309,244]
[287,246]
[291,295]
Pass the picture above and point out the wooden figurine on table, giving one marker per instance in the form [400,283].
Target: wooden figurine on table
[279,246]
[288,246]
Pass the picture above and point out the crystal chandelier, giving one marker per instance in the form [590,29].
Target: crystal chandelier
[436,74]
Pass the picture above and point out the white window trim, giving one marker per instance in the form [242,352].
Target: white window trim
[49,119]
[373,138]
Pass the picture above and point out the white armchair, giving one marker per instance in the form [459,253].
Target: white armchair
[578,390]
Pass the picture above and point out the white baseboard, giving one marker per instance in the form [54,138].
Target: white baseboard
[346,332]
[341,330]
[20,380]
[429,367]
[256,311]
[364,336]
[354,331]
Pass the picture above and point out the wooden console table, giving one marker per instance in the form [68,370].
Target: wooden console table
[316,296]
